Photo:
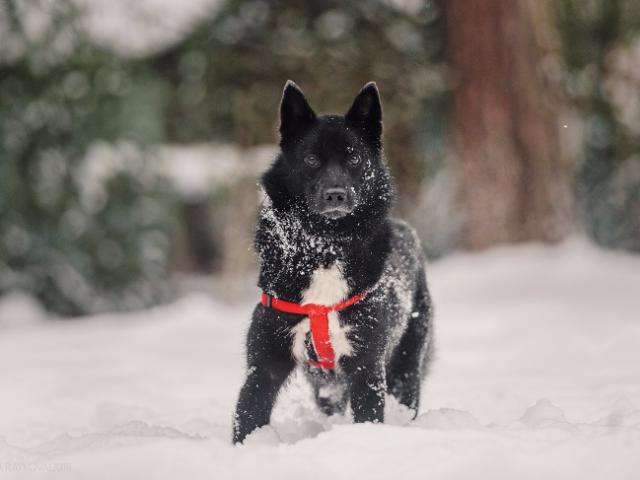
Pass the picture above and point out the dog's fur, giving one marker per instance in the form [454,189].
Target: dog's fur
[315,248]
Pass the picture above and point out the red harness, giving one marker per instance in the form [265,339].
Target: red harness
[318,320]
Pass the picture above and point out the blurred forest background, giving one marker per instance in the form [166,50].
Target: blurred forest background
[132,134]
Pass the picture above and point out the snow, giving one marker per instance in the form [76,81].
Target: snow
[536,376]
[130,29]
[141,28]
[196,170]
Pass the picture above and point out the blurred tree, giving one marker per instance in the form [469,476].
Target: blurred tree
[82,229]
[514,185]
[606,94]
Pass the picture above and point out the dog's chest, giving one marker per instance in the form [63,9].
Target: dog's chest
[327,287]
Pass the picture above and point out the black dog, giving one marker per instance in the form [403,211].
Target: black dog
[345,292]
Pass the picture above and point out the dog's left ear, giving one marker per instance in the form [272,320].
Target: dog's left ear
[295,112]
[366,112]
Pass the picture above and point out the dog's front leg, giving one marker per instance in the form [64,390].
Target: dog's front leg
[257,398]
[367,389]
[269,364]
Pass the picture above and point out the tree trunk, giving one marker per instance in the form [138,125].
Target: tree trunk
[514,186]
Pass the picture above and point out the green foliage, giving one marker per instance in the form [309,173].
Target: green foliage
[608,175]
[81,234]
[231,70]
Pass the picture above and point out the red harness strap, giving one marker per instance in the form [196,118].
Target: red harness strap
[318,320]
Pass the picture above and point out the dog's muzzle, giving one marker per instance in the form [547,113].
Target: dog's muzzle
[336,203]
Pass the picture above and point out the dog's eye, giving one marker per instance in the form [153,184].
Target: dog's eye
[312,161]
[354,160]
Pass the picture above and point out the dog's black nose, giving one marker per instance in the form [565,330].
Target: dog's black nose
[334,197]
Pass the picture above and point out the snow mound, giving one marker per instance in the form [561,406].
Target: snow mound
[264,436]
[623,414]
[446,419]
[19,309]
[543,414]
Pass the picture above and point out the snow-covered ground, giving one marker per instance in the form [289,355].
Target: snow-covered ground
[537,376]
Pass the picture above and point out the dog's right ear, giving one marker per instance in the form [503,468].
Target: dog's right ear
[295,112]
[366,113]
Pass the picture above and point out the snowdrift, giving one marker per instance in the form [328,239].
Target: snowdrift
[536,376]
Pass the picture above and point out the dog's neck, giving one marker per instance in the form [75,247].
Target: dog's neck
[295,231]
[292,245]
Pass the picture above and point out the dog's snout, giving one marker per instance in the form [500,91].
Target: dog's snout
[335,196]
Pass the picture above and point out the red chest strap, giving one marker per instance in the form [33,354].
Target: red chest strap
[318,320]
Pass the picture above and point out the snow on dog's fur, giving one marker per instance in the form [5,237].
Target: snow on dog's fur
[324,235]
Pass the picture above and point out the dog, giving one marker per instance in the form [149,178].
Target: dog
[344,287]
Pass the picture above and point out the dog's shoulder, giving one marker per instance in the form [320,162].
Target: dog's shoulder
[403,236]
[406,256]
[274,230]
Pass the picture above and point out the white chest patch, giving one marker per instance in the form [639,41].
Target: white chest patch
[328,287]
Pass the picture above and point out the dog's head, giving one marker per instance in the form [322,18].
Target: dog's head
[331,163]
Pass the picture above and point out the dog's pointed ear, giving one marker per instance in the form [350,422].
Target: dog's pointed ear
[366,112]
[295,112]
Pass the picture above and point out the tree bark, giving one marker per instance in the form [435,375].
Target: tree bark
[514,185]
